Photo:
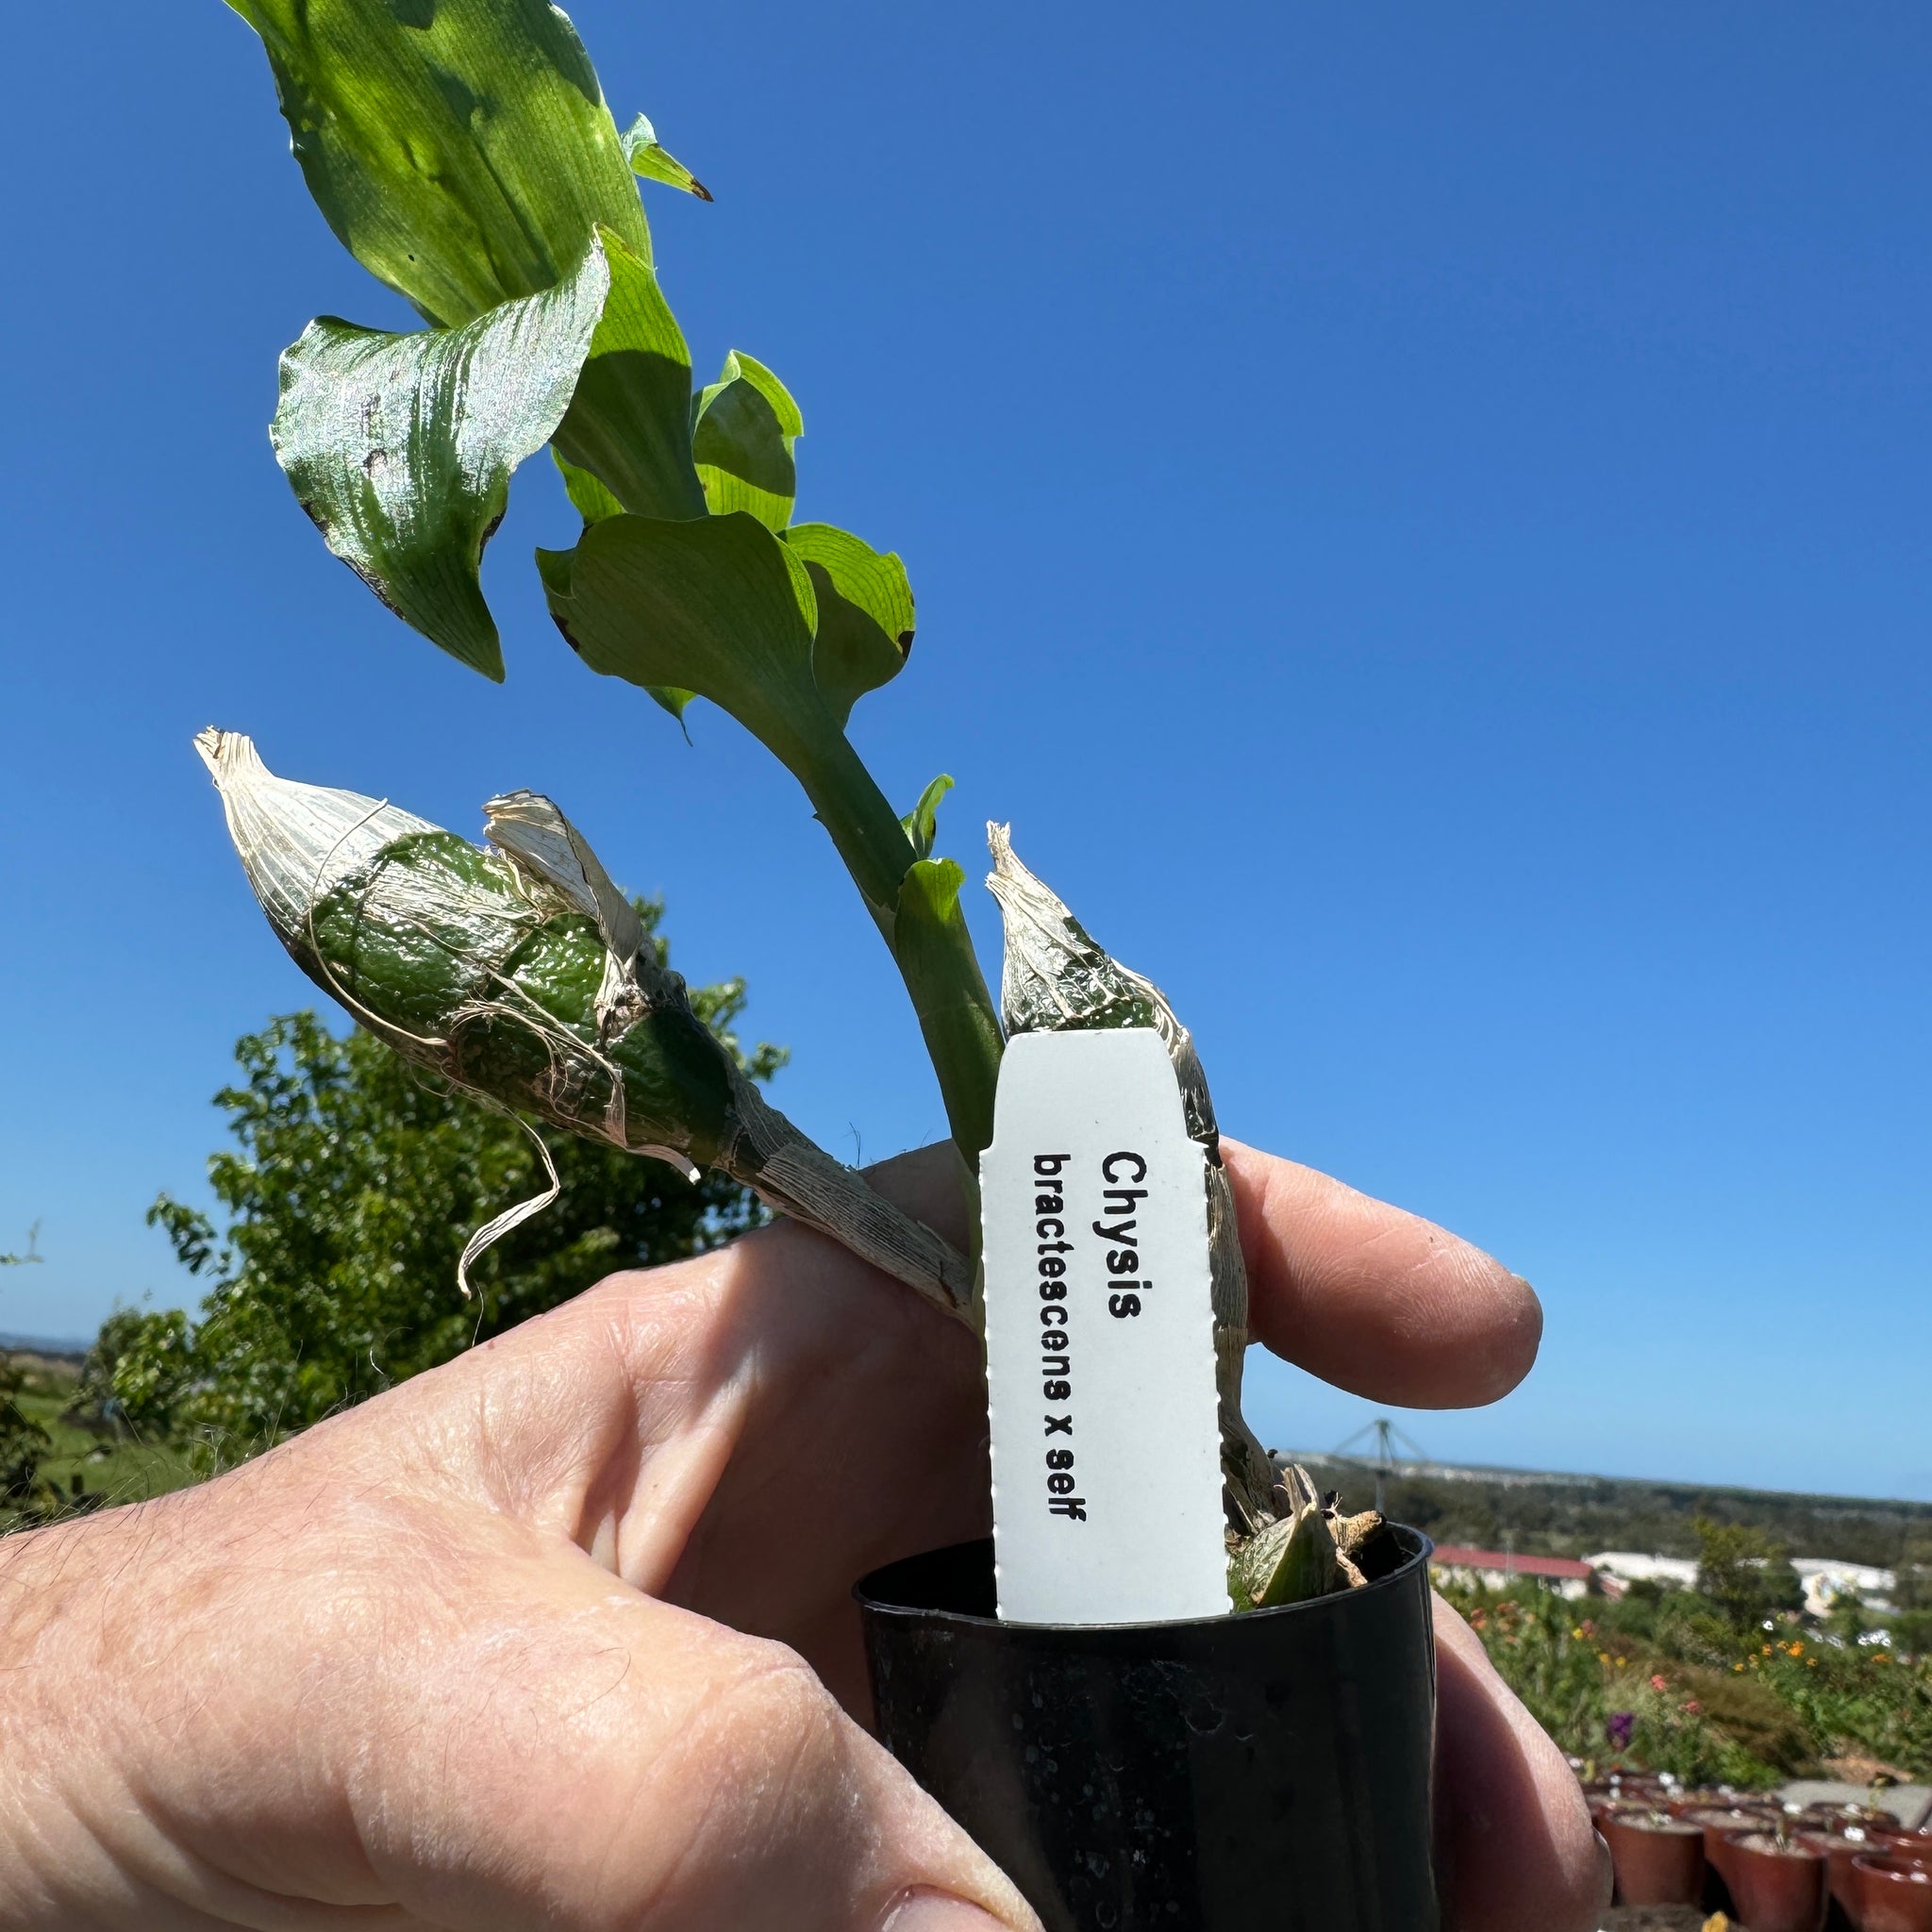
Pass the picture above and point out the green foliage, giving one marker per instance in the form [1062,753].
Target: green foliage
[1289,1561]
[1745,1573]
[352,1185]
[463,152]
[719,608]
[922,821]
[1704,1697]
[742,432]
[865,617]
[48,1467]
[23,1443]
[650,162]
[1588,1687]
[928,935]
[1854,1698]
[1912,1631]
[81,1458]
[628,424]
[143,1363]
[400,447]
[461,149]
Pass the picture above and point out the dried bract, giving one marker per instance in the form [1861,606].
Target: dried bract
[1058,978]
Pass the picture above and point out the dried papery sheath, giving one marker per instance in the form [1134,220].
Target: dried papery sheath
[523,975]
[1057,979]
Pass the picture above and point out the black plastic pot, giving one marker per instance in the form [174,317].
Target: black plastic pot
[1264,1772]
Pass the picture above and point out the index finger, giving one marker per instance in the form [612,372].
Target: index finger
[1374,1300]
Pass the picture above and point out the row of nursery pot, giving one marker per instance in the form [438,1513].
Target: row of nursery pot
[1772,1870]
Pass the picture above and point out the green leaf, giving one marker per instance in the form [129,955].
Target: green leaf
[554,568]
[922,823]
[593,502]
[401,446]
[873,579]
[630,423]
[865,612]
[1287,1562]
[928,935]
[650,162]
[745,426]
[461,149]
[718,608]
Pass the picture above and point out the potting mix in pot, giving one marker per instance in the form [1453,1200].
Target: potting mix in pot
[1178,1688]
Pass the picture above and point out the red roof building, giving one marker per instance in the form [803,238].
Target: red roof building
[1498,1568]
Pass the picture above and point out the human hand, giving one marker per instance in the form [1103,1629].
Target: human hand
[560,1634]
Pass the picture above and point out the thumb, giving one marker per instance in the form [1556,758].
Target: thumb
[617,1761]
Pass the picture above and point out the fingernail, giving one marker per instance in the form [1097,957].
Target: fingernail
[1607,1867]
[938,1911]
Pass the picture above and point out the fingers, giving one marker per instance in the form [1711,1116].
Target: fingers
[1515,1849]
[1378,1302]
[746,1434]
[1375,1300]
[591,1758]
[312,1699]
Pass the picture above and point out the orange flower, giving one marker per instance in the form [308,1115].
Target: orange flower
[1656,1683]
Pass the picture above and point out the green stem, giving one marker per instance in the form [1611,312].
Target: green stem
[915,904]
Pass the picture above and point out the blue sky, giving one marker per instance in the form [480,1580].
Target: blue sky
[1420,518]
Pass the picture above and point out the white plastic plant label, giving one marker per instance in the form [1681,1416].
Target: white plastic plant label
[1100,1338]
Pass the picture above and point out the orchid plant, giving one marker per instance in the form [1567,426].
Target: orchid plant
[463,152]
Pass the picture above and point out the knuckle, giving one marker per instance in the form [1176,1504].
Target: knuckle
[771,1693]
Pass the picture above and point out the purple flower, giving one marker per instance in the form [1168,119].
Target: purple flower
[1620,1726]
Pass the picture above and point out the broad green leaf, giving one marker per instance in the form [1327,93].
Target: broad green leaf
[554,568]
[630,423]
[873,579]
[461,149]
[717,608]
[865,612]
[922,823]
[593,502]
[929,939]
[742,439]
[401,446]
[651,163]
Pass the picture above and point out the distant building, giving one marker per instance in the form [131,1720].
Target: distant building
[1620,1569]
[1499,1569]
[1825,1579]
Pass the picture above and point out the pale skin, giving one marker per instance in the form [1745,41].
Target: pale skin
[560,1635]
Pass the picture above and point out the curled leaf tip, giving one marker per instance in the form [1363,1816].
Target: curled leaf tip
[650,162]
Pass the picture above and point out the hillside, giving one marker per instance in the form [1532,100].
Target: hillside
[1547,1513]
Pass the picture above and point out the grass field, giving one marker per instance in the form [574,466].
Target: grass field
[86,1464]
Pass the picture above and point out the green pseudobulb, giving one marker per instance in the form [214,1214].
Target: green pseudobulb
[509,995]
[521,973]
